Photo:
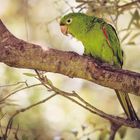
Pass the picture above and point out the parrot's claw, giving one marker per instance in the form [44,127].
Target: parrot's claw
[105,64]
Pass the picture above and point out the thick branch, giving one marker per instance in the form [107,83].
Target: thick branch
[18,53]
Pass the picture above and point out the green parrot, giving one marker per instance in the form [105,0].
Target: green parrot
[101,42]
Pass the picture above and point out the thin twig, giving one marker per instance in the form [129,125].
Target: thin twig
[118,7]
[113,119]
[14,92]
[16,133]
[114,128]
[127,5]
[15,84]
[9,125]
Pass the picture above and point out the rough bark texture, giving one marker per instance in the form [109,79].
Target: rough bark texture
[18,53]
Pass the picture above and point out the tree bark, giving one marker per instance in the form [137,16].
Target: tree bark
[21,54]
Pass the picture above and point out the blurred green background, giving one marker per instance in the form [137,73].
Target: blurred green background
[59,119]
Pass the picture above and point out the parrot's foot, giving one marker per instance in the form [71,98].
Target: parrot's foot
[88,55]
[85,54]
[105,64]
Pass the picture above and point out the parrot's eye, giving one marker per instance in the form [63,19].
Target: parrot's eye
[69,21]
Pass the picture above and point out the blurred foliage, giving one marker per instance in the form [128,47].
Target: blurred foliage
[59,119]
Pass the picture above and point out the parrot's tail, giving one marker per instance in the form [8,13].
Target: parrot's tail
[127,105]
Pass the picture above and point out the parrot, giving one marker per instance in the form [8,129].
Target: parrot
[101,42]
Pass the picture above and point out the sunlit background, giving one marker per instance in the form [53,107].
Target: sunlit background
[60,119]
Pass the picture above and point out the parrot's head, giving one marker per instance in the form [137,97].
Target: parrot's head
[74,24]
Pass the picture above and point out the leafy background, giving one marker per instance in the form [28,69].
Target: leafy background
[60,119]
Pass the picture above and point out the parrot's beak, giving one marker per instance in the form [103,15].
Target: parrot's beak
[64,29]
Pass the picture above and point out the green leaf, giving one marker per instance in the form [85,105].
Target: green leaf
[131,43]
[30,74]
[49,81]
[122,132]
[135,16]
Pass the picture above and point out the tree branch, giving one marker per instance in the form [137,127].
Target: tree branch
[116,122]
[18,53]
[114,128]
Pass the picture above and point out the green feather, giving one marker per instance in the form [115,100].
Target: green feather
[100,41]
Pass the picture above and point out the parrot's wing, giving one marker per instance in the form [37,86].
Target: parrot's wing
[113,41]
